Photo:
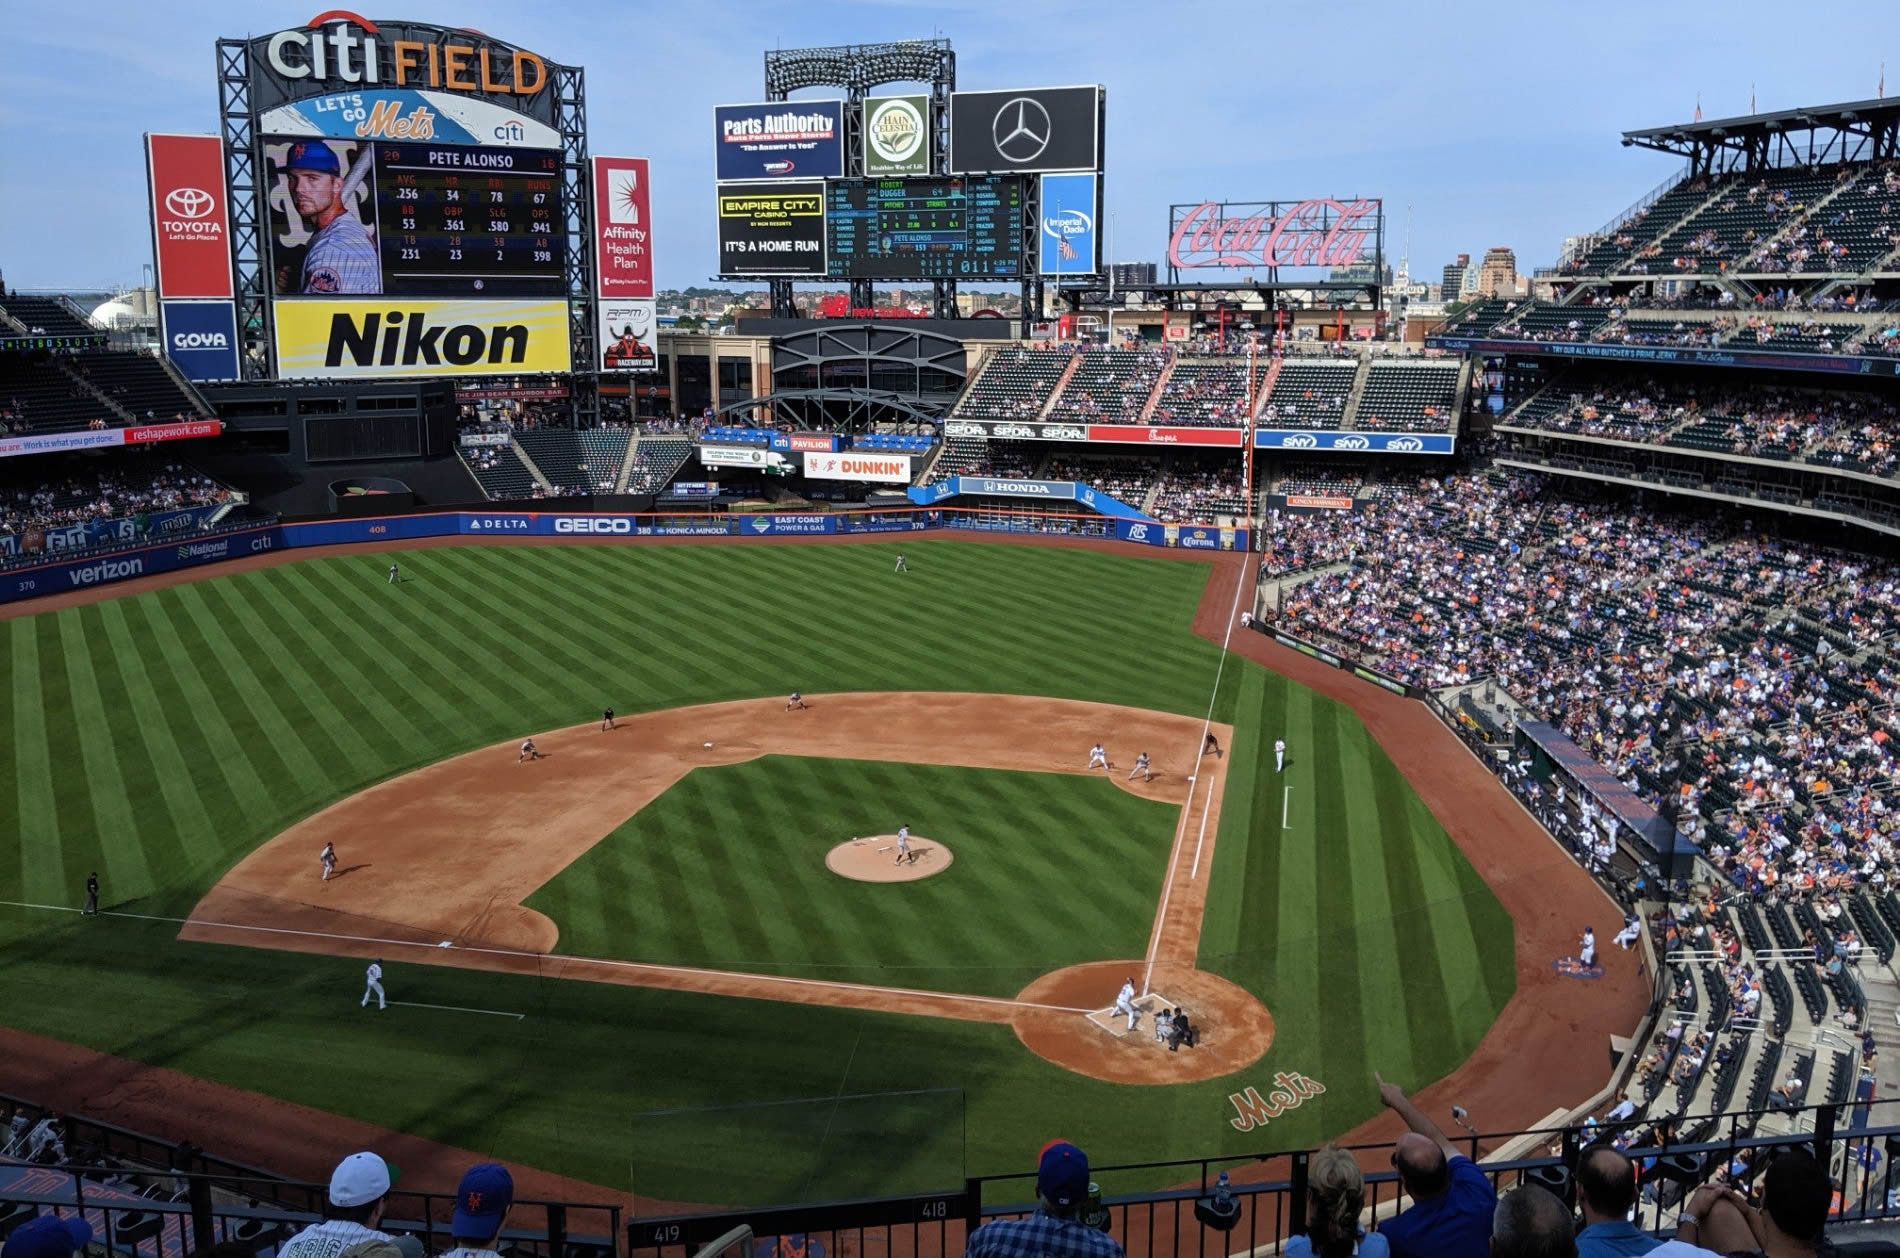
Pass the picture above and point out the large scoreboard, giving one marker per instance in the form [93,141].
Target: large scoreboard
[947,227]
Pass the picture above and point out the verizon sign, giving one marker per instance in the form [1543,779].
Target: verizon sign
[1316,232]
[884,469]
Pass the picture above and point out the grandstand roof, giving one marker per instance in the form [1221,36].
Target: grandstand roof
[1864,118]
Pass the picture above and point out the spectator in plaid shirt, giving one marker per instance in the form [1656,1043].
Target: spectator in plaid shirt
[1056,1229]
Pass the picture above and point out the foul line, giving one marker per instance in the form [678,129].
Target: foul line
[1187,805]
[496,1013]
[1286,797]
[644,967]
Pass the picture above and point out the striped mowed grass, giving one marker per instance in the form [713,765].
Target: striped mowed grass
[157,738]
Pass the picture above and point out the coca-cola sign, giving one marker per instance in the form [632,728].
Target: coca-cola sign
[1316,232]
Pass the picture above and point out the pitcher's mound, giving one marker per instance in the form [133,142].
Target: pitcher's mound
[874,859]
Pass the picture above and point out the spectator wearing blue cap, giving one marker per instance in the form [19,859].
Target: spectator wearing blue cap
[482,1201]
[341,258]
[1056,1229]
[48,1236]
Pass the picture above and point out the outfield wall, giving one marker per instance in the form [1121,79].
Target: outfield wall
[64,576]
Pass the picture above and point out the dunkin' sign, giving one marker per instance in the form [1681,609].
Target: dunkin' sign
[1316,232]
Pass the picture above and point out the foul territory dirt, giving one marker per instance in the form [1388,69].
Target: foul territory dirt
[1546,1051]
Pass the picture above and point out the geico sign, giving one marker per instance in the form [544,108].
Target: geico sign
[591,524]
[200,340]
[449,62]
[107,570]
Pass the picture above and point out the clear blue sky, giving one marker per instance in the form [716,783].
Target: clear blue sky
[1497,123]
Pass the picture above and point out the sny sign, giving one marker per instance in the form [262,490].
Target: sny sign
[1317,232]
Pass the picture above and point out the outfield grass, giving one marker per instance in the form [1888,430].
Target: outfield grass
[160,737]
[727,870]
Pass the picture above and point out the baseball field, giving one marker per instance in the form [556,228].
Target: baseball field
[630,963]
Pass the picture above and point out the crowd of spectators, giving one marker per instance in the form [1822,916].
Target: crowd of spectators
[94,488]
[1191,491]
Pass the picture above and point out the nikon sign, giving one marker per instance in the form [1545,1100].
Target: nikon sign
[348,340]
[897,135]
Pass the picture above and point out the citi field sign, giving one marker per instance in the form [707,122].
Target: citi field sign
[339,50]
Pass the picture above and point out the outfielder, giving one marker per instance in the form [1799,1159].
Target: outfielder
[901,565]
[1098,759]
[394,576]
[1125,1002]
[796,701]
[1141,766]
[903,846]
[1279,755]
[341,257]
[92,894]
[528,751]
[327,857]
[374,976]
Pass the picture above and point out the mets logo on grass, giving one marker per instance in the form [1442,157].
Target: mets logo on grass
[1254,1110]
[362,339]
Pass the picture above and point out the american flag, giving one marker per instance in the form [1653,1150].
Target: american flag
[1065,250]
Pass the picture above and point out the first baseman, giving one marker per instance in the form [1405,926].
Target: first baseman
[903,846]
[1125,1002]
[1212,744]
[374,976]
[341,257]
[528,751]
[1141,766]
[327,857]
[1098,759]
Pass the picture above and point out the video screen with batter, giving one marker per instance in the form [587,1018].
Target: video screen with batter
[351,217]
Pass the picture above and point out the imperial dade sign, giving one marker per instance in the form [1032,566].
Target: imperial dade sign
[1317,232]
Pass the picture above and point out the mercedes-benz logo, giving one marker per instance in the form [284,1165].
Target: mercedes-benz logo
[1021,130]
[189,202]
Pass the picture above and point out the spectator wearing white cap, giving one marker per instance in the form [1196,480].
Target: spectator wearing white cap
[358,1190]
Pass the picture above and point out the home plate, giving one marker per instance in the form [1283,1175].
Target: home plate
[1116,1024]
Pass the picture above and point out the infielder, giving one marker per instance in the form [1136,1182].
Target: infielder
[1098,759]
[901,565]
[374,976]
[528,751]
[607,719]
[1125,1002]
[903,846]
[327,858]
[1212,744]
[796,701]
[341,257]
[394,576]
[1588,953]
[1279,755]
[1141,766]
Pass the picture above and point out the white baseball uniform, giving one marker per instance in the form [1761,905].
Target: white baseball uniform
[374,975]
[1098,759]
[342,259]
[1279,755]
[392,574]
[1141,766]
[1125,1003]
[903,843]
[1588,955]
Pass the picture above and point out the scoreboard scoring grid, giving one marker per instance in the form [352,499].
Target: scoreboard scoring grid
[948,227]
[467,219]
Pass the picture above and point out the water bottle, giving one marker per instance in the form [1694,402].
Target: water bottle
[1223,1195]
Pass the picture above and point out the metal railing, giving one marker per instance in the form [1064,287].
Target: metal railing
[1270,1190]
